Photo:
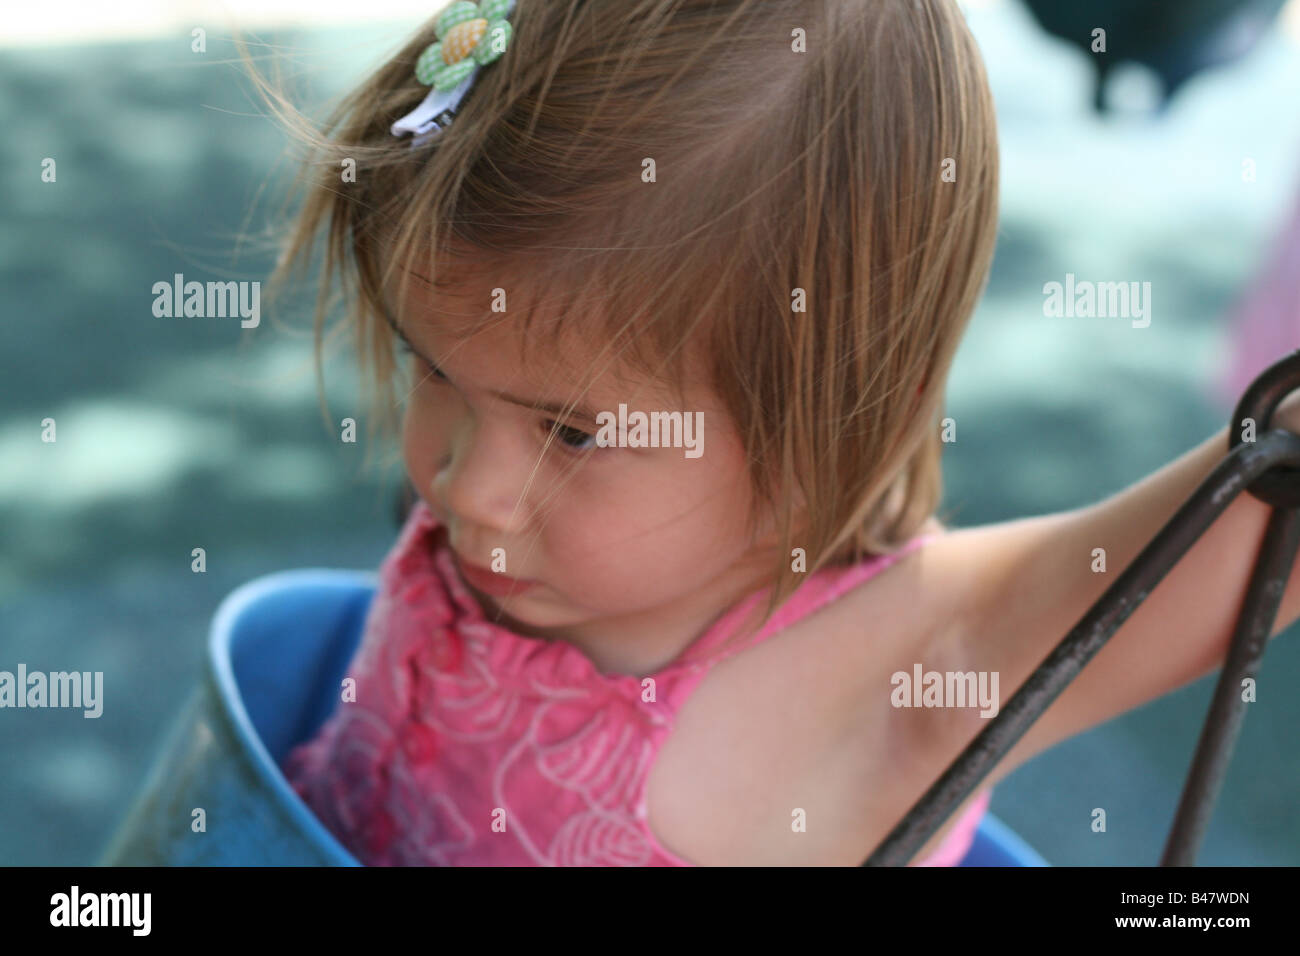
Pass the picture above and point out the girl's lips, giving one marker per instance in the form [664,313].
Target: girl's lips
[490,582]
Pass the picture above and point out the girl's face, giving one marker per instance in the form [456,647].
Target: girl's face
[644,543]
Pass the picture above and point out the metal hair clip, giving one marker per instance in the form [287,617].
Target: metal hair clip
[470,35]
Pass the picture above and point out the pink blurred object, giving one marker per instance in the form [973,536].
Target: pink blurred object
[1266,322]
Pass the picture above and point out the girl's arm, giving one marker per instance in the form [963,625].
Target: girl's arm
[1037,582]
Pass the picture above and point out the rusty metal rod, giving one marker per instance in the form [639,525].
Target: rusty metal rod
[1228,706]
[1243,465]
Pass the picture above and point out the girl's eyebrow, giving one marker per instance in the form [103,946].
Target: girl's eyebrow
[551,408]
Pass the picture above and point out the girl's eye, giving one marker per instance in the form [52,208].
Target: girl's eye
[573,438]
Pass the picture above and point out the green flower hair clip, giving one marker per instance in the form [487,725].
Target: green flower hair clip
[470,35]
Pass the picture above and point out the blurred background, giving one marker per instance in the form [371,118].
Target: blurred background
[174,435]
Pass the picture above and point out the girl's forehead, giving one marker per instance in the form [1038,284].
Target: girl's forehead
[462,297]
[498,351]
[504,317]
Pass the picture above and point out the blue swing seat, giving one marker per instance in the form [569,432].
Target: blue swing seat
[278,649]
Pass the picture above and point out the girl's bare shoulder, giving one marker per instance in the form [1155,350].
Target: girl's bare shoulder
[946,611]
[806,716]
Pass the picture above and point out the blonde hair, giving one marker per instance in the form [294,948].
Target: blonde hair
[776,170]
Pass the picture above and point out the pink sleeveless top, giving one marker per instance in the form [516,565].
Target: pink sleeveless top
[471,745]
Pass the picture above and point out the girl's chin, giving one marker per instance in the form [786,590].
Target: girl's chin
[526,615]
[515,612]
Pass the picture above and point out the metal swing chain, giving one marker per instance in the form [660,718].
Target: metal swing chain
[1269,468]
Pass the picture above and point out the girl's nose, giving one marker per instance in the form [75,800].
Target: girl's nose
[481,480]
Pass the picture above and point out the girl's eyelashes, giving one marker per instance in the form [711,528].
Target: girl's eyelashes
[575,439]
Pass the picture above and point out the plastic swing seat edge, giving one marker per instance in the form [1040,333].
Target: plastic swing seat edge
[996,844]
[233,618]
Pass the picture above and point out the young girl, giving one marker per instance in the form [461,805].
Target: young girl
[600,642]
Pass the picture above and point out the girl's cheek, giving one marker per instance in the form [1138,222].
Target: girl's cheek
[422,441]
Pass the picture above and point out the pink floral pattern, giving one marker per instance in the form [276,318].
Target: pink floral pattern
[469,744]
